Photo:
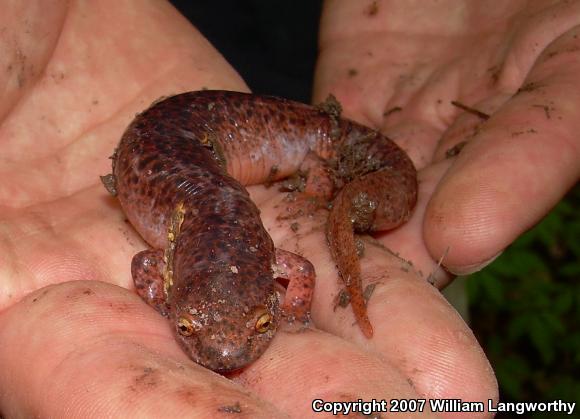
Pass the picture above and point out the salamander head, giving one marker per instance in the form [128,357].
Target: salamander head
[225,335]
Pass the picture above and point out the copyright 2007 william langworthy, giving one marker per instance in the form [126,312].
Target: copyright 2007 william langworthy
[439,406]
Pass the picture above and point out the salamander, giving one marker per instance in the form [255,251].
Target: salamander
[178,173]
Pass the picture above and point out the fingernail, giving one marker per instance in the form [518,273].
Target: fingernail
[469,269]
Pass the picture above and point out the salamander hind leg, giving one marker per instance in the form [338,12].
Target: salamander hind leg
[301,277]
[147,270]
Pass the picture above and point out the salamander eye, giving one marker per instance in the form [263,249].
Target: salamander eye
[185,326]
[264,323]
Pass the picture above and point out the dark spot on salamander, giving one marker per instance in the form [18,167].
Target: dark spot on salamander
[157,166]
[145,161]
[133,179]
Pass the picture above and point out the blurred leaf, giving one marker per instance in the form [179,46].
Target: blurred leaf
[493,288]
[551,224]
[504,265]
[518,327]
[566,388]
[553,323]
[571,269]
[473,288]
[509,372]
[525,261]
[563,302]
[542,338]
[574,245]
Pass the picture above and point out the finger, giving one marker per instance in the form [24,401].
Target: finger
[88,349]
[520,163]
[416,330]
[316,365]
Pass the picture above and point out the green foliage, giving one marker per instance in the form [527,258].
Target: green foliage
[525,310]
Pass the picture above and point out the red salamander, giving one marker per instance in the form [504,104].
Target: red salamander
[178,174]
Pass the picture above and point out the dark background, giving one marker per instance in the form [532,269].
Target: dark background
[272,44]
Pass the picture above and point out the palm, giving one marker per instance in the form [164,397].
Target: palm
[93,341]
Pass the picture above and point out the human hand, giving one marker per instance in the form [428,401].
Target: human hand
[76,342]
[398,66]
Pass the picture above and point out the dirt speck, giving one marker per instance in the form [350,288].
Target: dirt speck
[110,183]
[368,292]
[35,299]
[232,408]
[455,150]
[353,160]
[147,379]
[470,110]
[342,299]
[362,211]
[494,72]
[296,182]
[332,107]
[271,175]
[360,247]
[527,131]
[392,110]
[529,87]
[372,9]
[547,110]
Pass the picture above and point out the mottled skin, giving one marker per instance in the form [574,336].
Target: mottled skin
[188,155]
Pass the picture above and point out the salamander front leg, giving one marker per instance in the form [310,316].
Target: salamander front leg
[147,270]
[301,277]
